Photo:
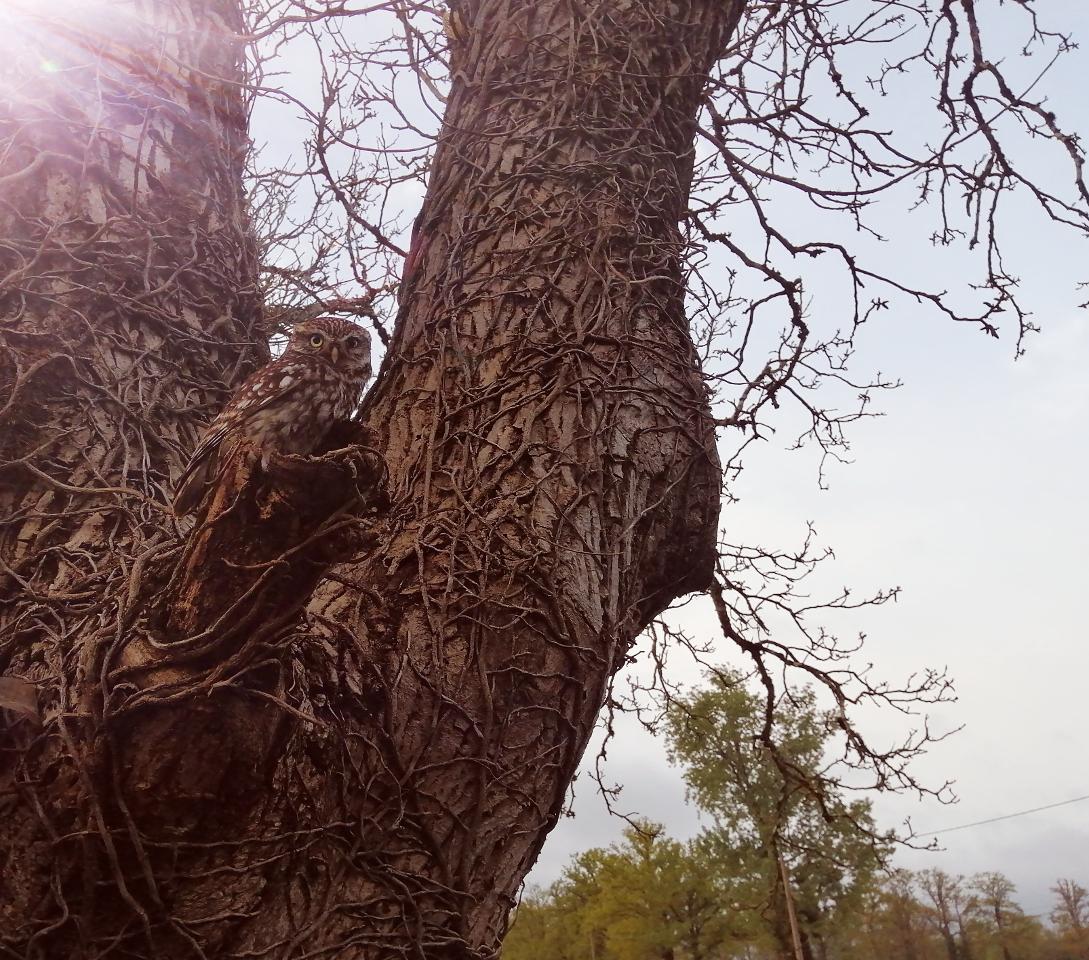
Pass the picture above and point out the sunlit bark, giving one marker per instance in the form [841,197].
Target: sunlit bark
[129,307]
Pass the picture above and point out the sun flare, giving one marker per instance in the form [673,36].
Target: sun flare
[41,39]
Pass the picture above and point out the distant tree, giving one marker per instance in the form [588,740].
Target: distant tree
[773,803]
[1071,918]
[646,898]
[897,924]
[1010,934]
[548,925]
[951,905]
[1071,910]
[963,918]
[652,898]
[662,897]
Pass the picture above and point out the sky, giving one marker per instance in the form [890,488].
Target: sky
[969,493]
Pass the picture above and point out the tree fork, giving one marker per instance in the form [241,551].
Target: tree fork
[387,770]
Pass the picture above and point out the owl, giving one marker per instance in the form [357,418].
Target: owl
[287,407]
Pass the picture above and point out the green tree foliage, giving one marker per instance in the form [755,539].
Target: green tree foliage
[764,780]
[772,810]
[766,792]
[607,907]
[646,897]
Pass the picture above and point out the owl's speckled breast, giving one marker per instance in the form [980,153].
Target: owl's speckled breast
[315,396]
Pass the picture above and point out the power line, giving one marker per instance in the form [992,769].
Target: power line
[1006,816]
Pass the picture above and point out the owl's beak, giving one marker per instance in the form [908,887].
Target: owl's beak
[334,353]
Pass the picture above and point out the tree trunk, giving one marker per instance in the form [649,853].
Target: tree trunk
[1000,926]
[950,942]
[965,944]
[128,306]
[375,778]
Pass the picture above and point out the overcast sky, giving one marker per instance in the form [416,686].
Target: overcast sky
[970,495]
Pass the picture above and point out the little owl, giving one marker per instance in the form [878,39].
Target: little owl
[286,407]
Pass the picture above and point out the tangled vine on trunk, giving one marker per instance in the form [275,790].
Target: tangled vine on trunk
[341,719]
[374,777]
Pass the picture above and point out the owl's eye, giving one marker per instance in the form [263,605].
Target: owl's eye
[316,340]
[352,342]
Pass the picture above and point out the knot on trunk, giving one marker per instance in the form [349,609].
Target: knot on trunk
[268,532]
[204,662]
[265,535]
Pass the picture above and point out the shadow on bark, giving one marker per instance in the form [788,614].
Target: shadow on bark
[216,615]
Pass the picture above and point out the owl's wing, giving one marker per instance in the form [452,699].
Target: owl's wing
[199,472]
[202,467]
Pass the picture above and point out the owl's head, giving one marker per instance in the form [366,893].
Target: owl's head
[343,345]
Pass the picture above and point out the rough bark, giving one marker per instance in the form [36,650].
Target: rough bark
[373,779]
[545,428]
[128,308]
